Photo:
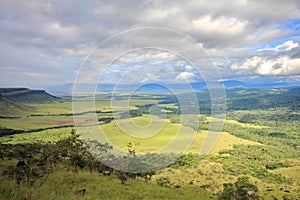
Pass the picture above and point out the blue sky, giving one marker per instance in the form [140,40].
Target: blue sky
[44,43]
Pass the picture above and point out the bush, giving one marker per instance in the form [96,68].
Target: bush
[187,160]
[272,166]
[242,189]
[164,182]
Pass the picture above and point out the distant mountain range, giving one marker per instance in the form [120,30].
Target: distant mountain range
[151,87]
[234,84]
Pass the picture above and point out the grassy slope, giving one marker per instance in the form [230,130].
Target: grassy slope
[10,108]
[63,184]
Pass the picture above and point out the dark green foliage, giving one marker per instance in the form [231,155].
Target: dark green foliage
[72,114]
[242,189]
[9,131]
[253,118]
[228,191]
[123,176]
[255,99]
[277,134]
[41,159]
[226,151]
[247,118]
[163,181]
[105,120]
[204,186]
[275,165]
[186,160]
[36,163]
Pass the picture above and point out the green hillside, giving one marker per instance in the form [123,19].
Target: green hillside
[25,95]
[12,109]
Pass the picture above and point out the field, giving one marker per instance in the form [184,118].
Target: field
[260,143]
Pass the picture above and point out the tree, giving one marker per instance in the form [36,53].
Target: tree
[242,189]
[228,192]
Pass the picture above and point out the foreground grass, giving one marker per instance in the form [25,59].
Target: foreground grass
[63,184]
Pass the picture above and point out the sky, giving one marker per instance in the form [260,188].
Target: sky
[45,43]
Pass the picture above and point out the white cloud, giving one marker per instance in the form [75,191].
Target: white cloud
[222,25]
[288,45]
[251,63]
[185,76]
[284,59]
[150,78]
[188,68]
[282,65]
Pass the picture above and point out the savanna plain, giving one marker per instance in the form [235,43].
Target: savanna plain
[257,156]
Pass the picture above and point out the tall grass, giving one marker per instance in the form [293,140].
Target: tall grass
[63,184]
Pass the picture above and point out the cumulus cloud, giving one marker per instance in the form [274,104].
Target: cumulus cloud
[226,26]
[288,45]
[55,36]
[281,64]
[150,78]
[185,76]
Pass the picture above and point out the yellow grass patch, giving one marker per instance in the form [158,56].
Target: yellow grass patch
[225,141]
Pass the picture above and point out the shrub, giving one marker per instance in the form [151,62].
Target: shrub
[187,160]
[163,181]
[241,189]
